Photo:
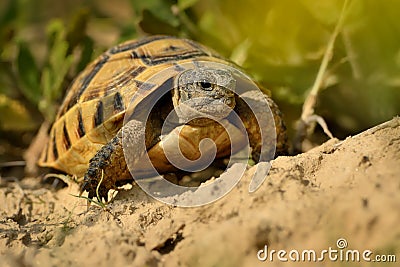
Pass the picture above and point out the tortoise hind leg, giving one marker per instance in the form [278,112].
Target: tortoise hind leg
[109,163]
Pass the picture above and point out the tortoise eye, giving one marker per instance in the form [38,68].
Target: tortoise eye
[206,85]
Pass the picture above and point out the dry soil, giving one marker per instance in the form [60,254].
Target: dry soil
[344,189]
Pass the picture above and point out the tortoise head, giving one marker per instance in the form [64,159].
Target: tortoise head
[204,91]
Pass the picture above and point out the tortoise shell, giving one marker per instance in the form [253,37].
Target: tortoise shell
[94,107]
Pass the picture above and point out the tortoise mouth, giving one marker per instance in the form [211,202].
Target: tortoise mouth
[205,107]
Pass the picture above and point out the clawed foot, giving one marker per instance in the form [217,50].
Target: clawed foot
[96,181]
[94,188]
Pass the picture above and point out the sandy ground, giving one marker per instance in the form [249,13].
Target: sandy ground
[346,189]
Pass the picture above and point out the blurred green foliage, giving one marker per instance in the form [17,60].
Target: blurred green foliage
[282,43]
[38,82]
[44,44]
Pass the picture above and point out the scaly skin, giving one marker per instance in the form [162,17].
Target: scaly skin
[110,160]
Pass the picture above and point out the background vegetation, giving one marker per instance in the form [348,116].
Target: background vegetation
[45,43]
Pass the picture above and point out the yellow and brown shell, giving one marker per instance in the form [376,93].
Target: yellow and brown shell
[94,107]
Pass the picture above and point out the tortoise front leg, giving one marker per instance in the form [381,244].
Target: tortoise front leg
[109,163]
[252,102]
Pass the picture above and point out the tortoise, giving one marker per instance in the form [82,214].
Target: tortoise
[86,137]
